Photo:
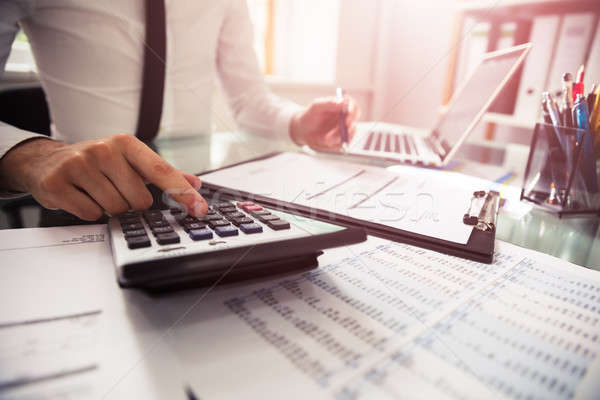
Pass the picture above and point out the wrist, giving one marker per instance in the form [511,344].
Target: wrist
[17,166]
[296,129]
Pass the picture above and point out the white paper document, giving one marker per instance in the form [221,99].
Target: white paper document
[39,267]
[67,331]
[49,311]
[376,320]
[425,204]
[387,320]
[49,348]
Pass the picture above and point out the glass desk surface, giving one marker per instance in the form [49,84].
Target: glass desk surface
[576,240]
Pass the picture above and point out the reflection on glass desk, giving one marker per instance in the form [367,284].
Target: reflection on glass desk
[576,240]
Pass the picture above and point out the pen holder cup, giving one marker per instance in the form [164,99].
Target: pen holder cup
[562,171]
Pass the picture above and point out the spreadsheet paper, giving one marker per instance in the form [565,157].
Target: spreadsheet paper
[388,320]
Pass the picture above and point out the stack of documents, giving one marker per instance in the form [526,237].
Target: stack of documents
[376,320]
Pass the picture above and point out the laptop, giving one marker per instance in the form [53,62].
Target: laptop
[467,106]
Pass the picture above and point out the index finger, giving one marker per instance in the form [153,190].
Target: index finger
[159,172]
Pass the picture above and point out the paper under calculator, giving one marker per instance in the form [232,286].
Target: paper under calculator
[163,249]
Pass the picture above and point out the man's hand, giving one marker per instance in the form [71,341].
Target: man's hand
[88,178]
[317,125]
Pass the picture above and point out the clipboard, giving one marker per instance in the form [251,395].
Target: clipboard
[479,247]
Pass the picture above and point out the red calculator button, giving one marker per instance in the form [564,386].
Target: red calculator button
[252,208]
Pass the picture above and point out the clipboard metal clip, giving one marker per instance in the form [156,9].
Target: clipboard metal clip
[483,210]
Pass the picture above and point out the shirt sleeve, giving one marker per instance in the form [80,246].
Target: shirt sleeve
[11,11]
[254,107]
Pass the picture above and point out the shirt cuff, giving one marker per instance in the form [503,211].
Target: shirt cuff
[284,119]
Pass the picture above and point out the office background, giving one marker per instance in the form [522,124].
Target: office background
[402,59]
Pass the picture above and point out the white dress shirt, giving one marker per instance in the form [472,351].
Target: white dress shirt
[89,56]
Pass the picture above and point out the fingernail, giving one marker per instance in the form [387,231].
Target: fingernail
[199,208]
[197,184]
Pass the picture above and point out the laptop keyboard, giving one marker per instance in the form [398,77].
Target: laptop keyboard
[400,143]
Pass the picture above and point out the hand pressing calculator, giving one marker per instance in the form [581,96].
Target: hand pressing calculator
[166,249]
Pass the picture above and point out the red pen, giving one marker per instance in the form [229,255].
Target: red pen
[578,84]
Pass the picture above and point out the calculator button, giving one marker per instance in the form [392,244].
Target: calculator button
[251,208]
[260,212]
[223,204]
[226,231]
[153,214]
[278,224]
[220,222]
[188,220]
[241,204]
[162,229]
[132,227]
[227,210]
[176,211]
[158,223]
[129,214]
[211,217]
[251,228]
[243,220]
[137,232]
[200,234]
[234,215]
[167,238]
[194,226]
[138,242]
[129,220]
[265,218]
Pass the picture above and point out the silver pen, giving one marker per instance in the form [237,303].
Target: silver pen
[339,94]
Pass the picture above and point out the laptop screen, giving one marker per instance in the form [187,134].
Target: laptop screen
[475,96]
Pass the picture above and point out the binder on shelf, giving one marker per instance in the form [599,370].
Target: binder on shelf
[536,68]
[570,53]
[479,247]
[592,67]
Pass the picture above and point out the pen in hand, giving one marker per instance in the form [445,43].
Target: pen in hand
[190,393]
[339,94]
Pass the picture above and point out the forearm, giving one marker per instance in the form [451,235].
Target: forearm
[12,138]
[14,164]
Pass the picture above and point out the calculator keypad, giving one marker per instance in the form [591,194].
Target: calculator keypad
[225,219]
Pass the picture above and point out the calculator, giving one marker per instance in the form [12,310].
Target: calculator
[164,248]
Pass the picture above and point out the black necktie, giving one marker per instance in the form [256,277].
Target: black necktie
[155,52]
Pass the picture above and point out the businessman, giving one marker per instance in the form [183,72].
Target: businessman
[91,58]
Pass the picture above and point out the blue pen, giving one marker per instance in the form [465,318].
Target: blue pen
[581,120]
[580,113]
[339,94]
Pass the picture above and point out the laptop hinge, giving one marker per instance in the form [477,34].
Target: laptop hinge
[434,144]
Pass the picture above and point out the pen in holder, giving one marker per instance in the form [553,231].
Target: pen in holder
[562,171]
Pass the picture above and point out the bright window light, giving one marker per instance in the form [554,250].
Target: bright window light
[303,46]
